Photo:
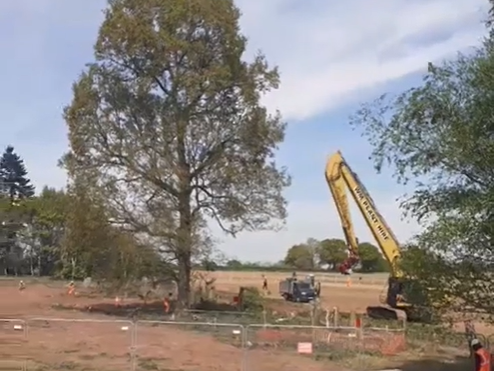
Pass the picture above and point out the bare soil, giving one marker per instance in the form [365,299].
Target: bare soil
[34,333]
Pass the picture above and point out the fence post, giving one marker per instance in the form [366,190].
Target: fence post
[336,315]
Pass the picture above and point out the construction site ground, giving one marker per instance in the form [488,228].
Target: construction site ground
[105,346]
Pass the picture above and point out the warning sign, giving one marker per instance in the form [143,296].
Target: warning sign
[304,348]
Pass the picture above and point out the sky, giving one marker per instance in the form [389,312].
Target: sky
[332,56]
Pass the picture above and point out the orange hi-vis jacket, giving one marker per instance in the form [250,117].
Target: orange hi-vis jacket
[482,360]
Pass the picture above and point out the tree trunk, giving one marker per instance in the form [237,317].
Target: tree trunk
[184,252]
[184,271]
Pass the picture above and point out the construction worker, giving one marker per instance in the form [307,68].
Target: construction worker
[264,283]
[482,356]
[317,289]
[312,280]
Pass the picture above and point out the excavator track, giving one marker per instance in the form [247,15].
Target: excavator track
[386,312]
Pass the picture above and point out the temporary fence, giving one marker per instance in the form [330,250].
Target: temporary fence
[328,343]
[203,342]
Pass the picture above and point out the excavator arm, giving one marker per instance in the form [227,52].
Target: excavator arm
[340,178]
[337,187]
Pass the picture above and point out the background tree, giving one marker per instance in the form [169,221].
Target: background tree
[332,252]
[13,176]
[87,233]
[14,186]
[234,264]
[42,231]
[371,259]
[48,229]
[301,257]
[169,114]
[439,136]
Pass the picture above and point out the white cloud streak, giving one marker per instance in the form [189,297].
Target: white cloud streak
[330,51]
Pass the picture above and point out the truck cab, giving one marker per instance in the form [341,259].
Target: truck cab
[295,290]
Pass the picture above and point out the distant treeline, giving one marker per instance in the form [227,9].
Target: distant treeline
[238,266]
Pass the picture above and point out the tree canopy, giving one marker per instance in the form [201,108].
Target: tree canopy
[438,137]
[168,116]
[332,252]
[329,253]
[14,186]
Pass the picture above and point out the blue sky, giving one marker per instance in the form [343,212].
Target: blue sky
[331,55]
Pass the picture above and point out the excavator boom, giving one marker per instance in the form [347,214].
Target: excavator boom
[340,179]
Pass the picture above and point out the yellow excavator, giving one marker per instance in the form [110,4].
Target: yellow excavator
[395,303]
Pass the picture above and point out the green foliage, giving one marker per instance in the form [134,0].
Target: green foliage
[252,299]
[439,136]
[234,264]
[13,176]
[45,216]
[332,252]
[169,113]
[314,254]
[14,187]
[209,265]
[371,259]
[300,257]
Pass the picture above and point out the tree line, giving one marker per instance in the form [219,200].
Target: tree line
[167,135]
[328,254]
[58,233]
[312,256]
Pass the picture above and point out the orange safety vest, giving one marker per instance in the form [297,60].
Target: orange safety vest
[483,360]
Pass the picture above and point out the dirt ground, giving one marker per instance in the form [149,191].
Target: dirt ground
[75,341]
[273,277]
[34,333]
[363,290]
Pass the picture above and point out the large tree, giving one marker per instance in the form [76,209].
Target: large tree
[300,257]
[332,251]
[371,259]
[439,137]
[168,117]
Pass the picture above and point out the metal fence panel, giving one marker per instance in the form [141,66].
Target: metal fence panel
[189,346]
[80,344]
[439,339]
[13,339]
[299,347]
[211,316]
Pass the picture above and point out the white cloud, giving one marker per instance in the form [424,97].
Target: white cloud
[328,51]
